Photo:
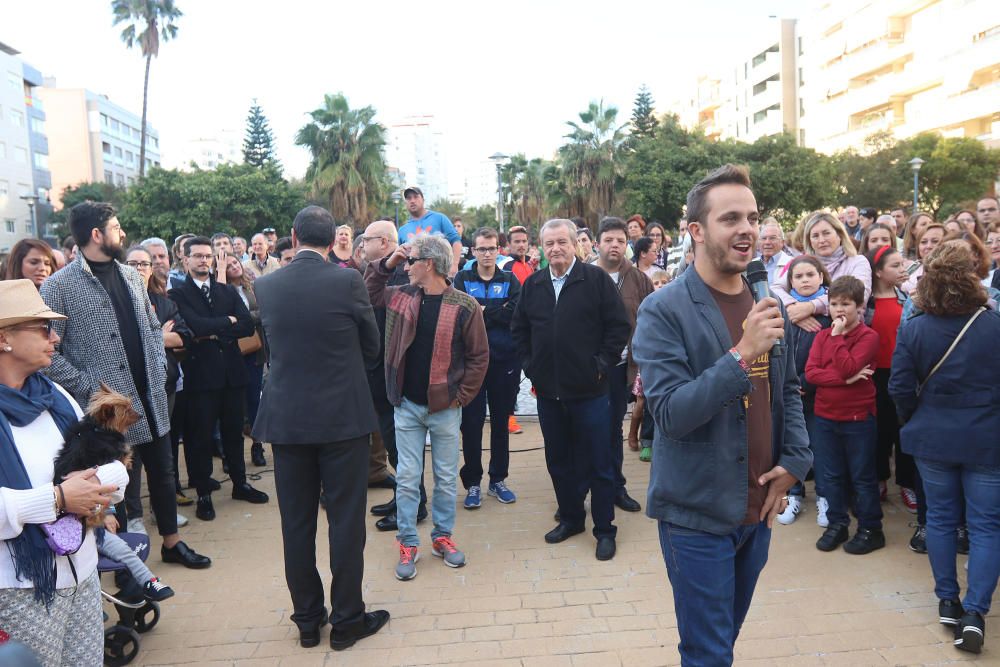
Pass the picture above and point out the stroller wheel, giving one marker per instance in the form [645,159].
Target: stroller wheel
[121,645]
[141,623]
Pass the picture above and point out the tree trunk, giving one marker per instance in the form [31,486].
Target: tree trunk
[142,136]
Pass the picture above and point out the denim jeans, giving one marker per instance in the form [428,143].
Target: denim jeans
[713,578]
[845,452]
[413,423]
[944,485]
[578,459]
[799,488]
[499,390]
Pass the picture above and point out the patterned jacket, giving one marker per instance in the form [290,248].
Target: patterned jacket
[91,351]
[461,349]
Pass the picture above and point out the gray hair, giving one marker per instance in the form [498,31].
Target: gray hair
[556,223]
[153,240]
[771,222]
[886,219]
[434,247]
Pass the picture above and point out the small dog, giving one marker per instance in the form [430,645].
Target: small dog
[98,438]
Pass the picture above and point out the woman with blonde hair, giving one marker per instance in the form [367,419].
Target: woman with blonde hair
[342,253]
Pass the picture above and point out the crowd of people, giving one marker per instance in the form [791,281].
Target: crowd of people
[417,333]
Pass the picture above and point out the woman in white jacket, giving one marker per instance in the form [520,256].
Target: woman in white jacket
[825,238]
[50,603]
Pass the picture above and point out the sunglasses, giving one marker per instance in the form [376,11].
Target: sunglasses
[42,326]
[413,260]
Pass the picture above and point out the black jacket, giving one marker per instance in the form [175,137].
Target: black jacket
[214,361]
[166,310]
[567,348]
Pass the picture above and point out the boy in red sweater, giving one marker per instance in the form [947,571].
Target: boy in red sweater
[840,366]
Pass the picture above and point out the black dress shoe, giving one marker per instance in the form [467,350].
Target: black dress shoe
[246,492]
[205,510]
[606,548]
[388,522]
[562,532]
[385,509]
[372,623]
[257,454]
[213,484]
[185,555]
[626,502]
[388,483]
[309,637]
[557,516]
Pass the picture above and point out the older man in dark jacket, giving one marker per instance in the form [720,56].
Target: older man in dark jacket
[570,328]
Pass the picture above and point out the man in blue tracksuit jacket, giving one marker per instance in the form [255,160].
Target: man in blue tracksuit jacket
[497,293]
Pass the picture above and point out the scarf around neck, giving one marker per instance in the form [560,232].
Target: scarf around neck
[833,262]
[815,295]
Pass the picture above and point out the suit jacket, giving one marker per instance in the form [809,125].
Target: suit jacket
[214,360]
[91,350]
[320,331]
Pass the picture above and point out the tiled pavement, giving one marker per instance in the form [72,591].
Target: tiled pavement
[522,602]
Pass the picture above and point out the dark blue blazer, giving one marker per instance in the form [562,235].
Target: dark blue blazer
[957,416]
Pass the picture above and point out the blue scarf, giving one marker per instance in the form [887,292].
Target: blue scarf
[33,559]
[815,295]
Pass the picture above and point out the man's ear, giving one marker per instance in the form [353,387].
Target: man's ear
[696,231]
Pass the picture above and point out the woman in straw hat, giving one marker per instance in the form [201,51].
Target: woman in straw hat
[50,603]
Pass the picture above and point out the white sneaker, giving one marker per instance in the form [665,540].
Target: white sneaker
[136,526]
[792,511]
[182,520]
[821,507]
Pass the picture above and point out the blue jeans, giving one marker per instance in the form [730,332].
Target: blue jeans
[579,459]
[413,423]
[799,488]
[944,484]
[713,578]
[845,457]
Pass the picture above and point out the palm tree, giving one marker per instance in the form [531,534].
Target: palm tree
[347,168]
[592,159]
[148,21]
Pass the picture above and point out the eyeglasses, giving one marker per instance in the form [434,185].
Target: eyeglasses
[139,265]
[413,260]
[486,251]
[366,239]
[199,257]
[44,326]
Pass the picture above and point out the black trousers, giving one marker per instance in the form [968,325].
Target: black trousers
[205,408]
[888,435]
[155,458]
[618,394]
[342,470]
[499,390]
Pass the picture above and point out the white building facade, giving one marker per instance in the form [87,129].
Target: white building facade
[415,146]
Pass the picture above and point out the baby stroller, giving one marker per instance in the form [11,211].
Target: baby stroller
[136,614]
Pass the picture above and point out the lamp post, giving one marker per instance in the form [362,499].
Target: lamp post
[499,159]
[915,165]
[31,200]
[395,200]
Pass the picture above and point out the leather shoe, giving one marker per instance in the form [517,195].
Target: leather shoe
[626,502]
[388,522]
[205,510]
[257,454]
[185,555]
[561,533]
[213,484]
[606,548]
[246,492]
[372,623]
[385,509]
[388,483]
[309,637]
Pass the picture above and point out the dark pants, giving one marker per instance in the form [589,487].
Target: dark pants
[387,429]
[713,579]
[618,398]
[340,469]
[255,376]
[204,409]
[155,458]
[579,460]
[847,454]
[888,434]
[499,390]
[178,422]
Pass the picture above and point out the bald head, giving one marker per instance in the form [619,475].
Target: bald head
[380,240]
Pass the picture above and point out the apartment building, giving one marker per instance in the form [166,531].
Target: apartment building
[415,146]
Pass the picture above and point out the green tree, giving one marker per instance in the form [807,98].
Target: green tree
[876,176]
[481,216]
[447,207]
[347,171]
[957,170]
[643,121]
[258,144]
[592,161]
[148,21]
[81,192]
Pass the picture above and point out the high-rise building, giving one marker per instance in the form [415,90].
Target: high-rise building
[92,139]
[415,146]
[208,151]
[906,66]
[763,99]
[24,162]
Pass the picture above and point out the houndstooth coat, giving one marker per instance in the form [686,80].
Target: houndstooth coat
[91,351]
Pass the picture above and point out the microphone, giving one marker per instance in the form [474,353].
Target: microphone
[757,277]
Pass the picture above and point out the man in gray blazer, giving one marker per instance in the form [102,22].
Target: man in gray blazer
[317,412]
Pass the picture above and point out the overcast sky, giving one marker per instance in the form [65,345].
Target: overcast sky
[499,76]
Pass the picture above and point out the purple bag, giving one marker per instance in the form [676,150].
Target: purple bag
[65,535]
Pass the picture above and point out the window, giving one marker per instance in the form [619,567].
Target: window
[23,189]
[40,160]
[760,88]
[21,155]
[29,227]
[108,177]
[17,118]
[136,135]
[118,153]
[106,148]
[104,120]
[10,226]
[115,126]
[14,80]
[37,125]
[129,158]
[156,142]
[120,180]
[131,181]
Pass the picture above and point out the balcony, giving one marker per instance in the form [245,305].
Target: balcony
[770,66]
[884,52]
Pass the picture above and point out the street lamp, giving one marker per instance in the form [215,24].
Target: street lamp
[499,159]
[31,200]
[395,200]
[915,165]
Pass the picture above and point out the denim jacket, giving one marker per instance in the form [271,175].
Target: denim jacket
[694,389]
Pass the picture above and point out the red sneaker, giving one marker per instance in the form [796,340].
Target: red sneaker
[513,426]
[909,499]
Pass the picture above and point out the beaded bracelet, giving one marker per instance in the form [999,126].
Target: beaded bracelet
[740,360]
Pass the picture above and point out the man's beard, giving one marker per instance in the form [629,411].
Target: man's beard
[116,252]
[719,254]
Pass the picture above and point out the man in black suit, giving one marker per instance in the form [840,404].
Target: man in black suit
[317,412]
[215,376]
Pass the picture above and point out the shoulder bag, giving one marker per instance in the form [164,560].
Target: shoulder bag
[948,352]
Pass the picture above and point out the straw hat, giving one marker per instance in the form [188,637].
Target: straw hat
[21,302]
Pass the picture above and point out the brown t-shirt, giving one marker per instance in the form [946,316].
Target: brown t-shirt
[735,309]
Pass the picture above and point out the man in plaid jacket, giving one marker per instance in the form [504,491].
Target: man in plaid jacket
[113,337]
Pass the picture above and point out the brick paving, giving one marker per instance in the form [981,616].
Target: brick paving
[521,602]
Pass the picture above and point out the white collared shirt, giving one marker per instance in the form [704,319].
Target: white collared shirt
[558,282]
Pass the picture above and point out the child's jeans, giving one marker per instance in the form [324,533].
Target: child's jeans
[845,457]
[116,549]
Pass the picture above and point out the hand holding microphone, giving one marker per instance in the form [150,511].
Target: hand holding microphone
[757,277]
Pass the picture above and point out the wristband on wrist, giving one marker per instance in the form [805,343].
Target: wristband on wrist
[740,360]
[61,500]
